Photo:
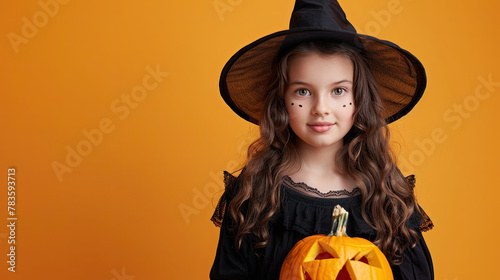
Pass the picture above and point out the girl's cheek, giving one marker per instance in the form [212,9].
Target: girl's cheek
[347,105]
[296,104]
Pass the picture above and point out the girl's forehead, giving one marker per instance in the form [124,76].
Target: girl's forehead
[316,65]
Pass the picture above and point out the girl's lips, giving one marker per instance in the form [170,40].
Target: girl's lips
[320,126]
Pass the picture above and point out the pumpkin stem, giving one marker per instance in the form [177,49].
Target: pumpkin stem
[339,224]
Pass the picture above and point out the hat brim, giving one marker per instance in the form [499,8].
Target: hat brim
[400,75]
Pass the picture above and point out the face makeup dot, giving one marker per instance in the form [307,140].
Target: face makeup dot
[343,106]
[350,103]
[292,104]
[300,105]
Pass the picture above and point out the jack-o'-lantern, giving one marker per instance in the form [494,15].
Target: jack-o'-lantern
[335,256]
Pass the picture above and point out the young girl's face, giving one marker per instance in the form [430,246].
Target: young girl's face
[319,98]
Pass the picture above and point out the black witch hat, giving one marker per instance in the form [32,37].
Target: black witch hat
[400,76]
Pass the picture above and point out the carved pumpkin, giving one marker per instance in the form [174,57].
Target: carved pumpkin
[335,256]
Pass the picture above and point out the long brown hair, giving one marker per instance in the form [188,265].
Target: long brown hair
[387,198]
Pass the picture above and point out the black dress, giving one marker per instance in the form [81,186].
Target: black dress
[300,216]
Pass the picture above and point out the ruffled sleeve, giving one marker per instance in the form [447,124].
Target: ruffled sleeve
[230,189]
[419,221]
[230,262]
[417,262]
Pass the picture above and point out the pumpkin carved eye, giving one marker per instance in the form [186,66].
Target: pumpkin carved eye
[333,262]
[343,274]
[321,257]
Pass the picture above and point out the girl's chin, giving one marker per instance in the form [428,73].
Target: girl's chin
[322,145]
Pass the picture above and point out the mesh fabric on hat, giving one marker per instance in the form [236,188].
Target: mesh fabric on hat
[400,76]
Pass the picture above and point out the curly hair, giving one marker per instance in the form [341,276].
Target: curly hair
[388,200]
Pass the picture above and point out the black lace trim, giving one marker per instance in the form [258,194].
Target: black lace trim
[220,209]
[421,222]
[305,188]
[426,223]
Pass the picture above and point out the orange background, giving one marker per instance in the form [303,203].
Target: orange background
[73,80]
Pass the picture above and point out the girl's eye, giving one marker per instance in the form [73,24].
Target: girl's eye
[303,92]
[338,91]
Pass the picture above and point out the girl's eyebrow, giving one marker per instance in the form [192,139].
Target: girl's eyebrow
[306,84]
[342,82]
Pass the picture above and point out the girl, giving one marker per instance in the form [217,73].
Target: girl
[322,95]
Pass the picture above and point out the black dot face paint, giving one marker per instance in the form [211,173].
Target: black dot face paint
[292,104]
[300,105]
[350,103]
[343,106]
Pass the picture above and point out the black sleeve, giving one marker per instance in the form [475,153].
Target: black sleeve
[417,263]
[230,262]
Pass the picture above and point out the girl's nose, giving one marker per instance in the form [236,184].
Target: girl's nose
[320,106]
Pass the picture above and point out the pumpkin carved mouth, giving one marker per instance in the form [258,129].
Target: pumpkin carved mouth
[346,262]
[335,257]
[343,274]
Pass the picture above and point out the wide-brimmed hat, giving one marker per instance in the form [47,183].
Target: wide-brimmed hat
[400,75]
